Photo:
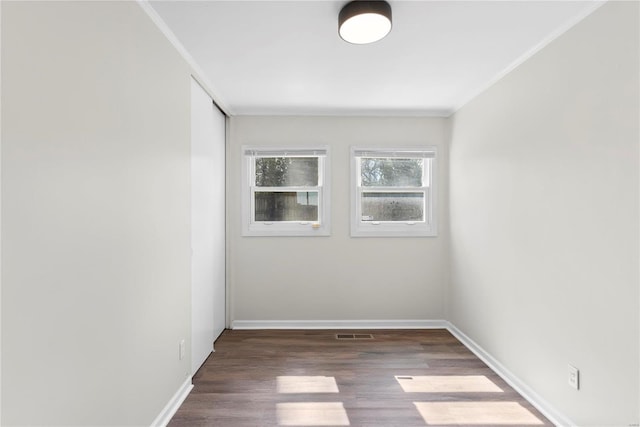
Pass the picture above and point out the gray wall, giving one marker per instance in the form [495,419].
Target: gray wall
[95,215]
[335,277]
[544,219]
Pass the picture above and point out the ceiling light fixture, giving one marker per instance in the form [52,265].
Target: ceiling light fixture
[362,22]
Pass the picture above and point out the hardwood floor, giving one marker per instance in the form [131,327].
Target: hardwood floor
[309,378]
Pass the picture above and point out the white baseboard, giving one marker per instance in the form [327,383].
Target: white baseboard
[339,324]
[531,396]
[172,406]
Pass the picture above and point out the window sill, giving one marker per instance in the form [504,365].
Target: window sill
[387,230]
[285,230]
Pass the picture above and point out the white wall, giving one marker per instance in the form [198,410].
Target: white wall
[544,219]
[335,277]
[95,215]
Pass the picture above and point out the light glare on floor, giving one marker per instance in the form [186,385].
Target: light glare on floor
[312,414]
[495,413]
[303,384]
[447,384]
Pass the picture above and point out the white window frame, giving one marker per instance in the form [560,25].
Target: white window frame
[251,227]
[427,228]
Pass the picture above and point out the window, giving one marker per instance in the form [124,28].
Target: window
[393,192]
[285,192]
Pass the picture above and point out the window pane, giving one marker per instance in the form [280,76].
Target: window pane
[392,207]
[391,172]
[286,206]
[286,171]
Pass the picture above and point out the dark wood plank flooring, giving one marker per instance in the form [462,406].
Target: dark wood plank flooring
[308,377]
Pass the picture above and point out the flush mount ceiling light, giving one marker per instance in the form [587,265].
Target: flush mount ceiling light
[362,22]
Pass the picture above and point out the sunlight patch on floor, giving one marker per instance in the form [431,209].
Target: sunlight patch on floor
[495,413]
[447,384]
[303,384]
[312,414]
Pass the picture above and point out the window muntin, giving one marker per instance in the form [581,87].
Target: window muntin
[286,192]
[393,192]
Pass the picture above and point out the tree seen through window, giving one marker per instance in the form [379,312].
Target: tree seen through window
[391,172]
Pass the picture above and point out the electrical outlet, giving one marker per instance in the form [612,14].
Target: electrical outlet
[182,349]
[574,377]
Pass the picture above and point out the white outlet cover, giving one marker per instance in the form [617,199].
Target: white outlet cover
[574,377]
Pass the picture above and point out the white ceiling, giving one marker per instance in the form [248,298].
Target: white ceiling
[285,57]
